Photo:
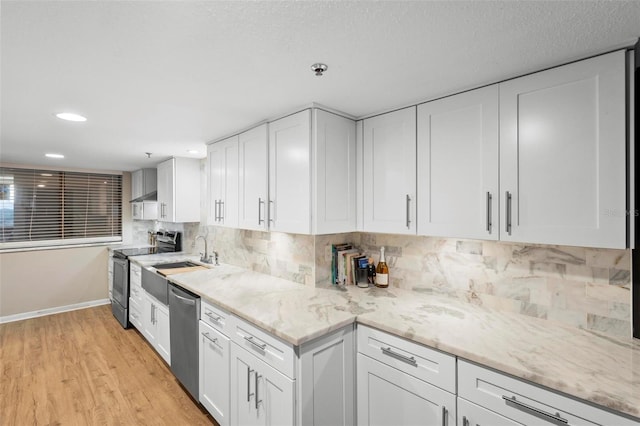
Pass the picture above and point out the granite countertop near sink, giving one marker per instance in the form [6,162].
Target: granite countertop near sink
[584,364]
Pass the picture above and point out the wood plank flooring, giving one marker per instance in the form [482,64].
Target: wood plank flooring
[83,368]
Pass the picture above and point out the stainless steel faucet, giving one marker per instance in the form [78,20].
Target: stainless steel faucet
[206,257]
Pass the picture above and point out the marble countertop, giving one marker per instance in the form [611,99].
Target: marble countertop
[584,364]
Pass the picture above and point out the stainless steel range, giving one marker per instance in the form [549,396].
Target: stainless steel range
[166,242]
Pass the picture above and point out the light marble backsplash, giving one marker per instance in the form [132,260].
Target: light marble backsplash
[576,286]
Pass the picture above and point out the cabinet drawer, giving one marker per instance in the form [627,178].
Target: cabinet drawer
[470,414]
[264,346]
[532,403]
[216,317]
[426,364]
[135,313]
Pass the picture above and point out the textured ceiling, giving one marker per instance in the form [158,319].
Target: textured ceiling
[165,77]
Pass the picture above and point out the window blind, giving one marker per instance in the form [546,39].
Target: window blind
[45,207]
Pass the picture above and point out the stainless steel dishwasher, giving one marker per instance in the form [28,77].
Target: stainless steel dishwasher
[184,314]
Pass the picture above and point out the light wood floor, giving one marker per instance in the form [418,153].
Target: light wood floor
[83,368]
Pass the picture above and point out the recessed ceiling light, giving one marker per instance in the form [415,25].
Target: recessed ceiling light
[69,116]
[54,155]
[193,151]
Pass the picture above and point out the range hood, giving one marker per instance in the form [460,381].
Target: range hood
[151,196]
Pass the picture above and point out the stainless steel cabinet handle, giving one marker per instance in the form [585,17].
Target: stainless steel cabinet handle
[409,360]
[508,212]
[221,211]
[548,416]
[445,418]
[408,206]
[215,213]
[153,311]
[260,204]
[249,394]
[213,317]
[214,340]
[272,214]
[257,376]
[489,212]
[183,299]
[261,346]
[465,421]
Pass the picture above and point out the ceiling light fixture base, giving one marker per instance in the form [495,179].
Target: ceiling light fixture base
[319,68]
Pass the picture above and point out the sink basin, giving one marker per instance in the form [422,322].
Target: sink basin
[174,265]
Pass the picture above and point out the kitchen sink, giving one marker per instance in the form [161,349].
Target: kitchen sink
[174,265]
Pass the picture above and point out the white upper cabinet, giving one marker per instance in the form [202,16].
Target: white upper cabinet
[290,173]
[223,182]
[334,186]
[458,166]
[143,181]
[562,155]
[179,190]
[253,179]
[389,172]
[312,173]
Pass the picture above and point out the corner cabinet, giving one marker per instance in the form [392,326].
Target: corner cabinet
[563,155]
[223,182]
[389,172]
[312,176]
[458,166]
[179,190]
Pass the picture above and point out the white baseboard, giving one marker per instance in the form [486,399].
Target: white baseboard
[56,310]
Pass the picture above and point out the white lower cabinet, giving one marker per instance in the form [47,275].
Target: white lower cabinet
[525,403]
[214,373]
[260,395]
[391,384]
[155,326]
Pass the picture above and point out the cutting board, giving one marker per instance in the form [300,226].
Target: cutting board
[173,271]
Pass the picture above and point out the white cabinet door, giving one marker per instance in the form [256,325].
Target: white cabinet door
[470,414]
[458,165]
[253,177]
[137,184]
[290,173]
[165,191]
[260,395]
[390,172]
[137,211]
[163,342]
[223,182]
[334,185]
[148,319]
[562,155]
[387,396]
[214,373]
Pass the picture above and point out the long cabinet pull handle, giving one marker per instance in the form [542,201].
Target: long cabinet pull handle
[221,211]
[272,210]
[261,346]
[214,340]
[445,418]
[257,401]
[547,416]
[249,394]
[214,318]
[508,212]
[260,204]
[409,360]
[465,421]
[489,198]
[408,207]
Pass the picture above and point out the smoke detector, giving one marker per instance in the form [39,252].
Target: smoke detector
[319,68]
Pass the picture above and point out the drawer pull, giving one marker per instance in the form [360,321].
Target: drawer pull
[214,340]
[445,418]
[213,317]
[404,358]
[261,346]
[555,418]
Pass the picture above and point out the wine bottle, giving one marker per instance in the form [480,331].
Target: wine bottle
[382,271]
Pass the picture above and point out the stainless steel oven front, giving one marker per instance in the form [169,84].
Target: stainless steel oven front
[120,292]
